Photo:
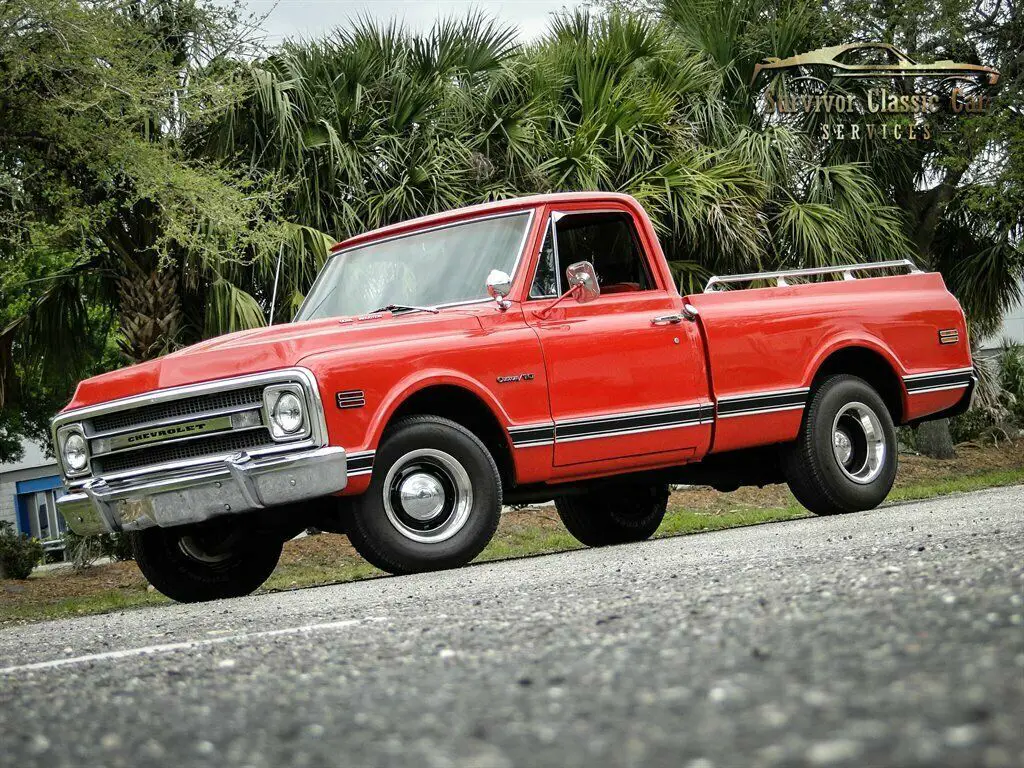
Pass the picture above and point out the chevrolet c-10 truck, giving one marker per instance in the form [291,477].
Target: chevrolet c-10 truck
[521,351]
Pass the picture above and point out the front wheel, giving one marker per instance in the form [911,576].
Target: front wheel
[434,501]
[844,459]
[194,563]
[614,514]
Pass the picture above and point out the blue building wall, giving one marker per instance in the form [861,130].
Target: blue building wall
[25,491]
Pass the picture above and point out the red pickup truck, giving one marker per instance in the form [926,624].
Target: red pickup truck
[520,351]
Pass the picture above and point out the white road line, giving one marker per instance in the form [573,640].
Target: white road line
[183,646]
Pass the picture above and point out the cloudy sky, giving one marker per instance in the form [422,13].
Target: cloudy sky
[312,18]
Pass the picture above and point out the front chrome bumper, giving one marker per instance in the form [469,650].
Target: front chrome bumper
[203,491]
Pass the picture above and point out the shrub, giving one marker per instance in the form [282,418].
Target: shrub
[83,551]
[1011,377]
[906,439]
[971,425]
[19,554]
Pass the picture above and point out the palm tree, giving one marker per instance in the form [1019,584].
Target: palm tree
[364,128]
[110,230]
[107,194]
[378,124]
[941,201]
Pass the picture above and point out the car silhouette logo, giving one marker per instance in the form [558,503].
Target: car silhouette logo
[868,60]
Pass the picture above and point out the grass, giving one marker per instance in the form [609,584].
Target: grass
[290,575]
[330,560]
[680,522]
[107,601]
[966,484]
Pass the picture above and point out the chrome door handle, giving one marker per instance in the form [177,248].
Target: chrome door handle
[690,312]
[667,320]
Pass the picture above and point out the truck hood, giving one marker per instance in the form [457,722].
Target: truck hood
[264,349]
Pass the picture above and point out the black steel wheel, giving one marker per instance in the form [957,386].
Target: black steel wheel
[194,563]
[434,499]
[845,457]
[614,514]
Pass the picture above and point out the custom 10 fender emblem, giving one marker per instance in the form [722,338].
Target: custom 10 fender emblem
[517,377]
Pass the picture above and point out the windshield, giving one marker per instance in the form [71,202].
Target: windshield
[439,266]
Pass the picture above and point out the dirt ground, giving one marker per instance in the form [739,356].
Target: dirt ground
[327,550]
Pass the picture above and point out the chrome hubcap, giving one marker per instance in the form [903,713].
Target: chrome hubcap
[842,445]
[427,495]
[858,442]
[422,496]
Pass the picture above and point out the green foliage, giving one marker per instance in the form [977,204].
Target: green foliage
[19,554]
[377,124]
[1011,376]
[955,200]
[974,424]
[998,407]
[158,170]
[83,551]
[116,242]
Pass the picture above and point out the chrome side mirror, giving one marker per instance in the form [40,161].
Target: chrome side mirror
[498,286]
[582,281]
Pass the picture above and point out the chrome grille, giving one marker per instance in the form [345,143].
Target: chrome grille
[192,449]
[251,397]
[188,424]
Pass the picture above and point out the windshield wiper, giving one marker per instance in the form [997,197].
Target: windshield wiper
[405,308]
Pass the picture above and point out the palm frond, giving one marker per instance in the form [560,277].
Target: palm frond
[229,309]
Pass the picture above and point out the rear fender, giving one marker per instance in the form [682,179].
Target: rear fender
[847,341]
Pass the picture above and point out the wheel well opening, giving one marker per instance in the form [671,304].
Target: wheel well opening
[873,368]
[465,408]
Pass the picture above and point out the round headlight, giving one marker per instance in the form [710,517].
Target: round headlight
[287,413]
[75,452]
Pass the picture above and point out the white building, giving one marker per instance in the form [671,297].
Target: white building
[1012,330]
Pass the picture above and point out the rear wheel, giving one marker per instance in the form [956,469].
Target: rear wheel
[614,514]
[845,458]
[193,563]
[434,501]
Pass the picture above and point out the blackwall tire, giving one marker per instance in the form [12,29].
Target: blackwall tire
[845,457]
[193,564]
[434,499]
[615,514]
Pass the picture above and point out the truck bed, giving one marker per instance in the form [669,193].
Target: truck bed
[765,345]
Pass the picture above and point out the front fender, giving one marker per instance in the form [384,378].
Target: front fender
[420,380]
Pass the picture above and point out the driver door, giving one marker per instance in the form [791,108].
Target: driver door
[625,373]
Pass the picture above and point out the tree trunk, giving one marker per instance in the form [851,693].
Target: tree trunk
[150,314]
[928,221]
[935,440]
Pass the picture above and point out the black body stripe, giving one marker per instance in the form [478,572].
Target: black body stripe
[763,402]
[611,425]
[627,422]
[535,434]
[360,462]
[938,380]
[690,415]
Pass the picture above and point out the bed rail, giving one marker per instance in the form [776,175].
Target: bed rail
[718,282]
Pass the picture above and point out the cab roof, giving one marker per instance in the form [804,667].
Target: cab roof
[474,211]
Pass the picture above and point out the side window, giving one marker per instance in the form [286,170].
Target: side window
[609,242]
[545,282]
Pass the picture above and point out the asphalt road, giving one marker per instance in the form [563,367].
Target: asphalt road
[893,637]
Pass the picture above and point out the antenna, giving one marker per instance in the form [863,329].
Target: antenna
[277,274]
